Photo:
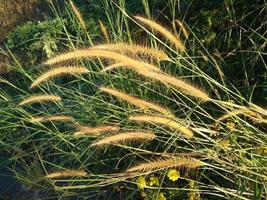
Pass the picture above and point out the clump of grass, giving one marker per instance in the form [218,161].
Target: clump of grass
[163,31]
[187,132]
[125,137]
[160,164]
[69,70]
[145,105]
[86,130]
[66,173]
[39,98]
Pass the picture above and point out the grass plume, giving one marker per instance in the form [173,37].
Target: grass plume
[183,29]
[165,122]
[125,137]
[242,111]
[163,31]
[183,86]
[51,118]
[134,49]
[72,70]
[78,15]
[86,130]
[66,173]
[104,31]
[39,98]
[160,164]
[95,53]
[137,102]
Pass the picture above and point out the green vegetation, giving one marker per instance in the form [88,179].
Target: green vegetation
[192,126]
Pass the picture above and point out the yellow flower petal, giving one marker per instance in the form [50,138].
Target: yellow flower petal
[141,182]
[153,181]
[161,197]
[173,174]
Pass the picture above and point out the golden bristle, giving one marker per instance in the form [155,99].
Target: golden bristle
[160,164]
[243,111]
[72,70]
[125,137]
[104,31]
[163,31]
[95,53]
[113,66]
[51,118]
[165,122]
[184,87]
[78,15]
[134,49]
[183,29]
[39,98]
[137,102]
[86,130]
[67,173]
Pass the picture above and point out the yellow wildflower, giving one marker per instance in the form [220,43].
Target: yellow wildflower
[173,174]
[193,196]
[224,144]
[191,184]
[153,181]
[161,197]
[141,182]
[230,125]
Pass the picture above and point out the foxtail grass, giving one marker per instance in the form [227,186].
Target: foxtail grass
[161,164]
[145,105]
[183,29]
[185,131]
[134,49]
[39,98]
[95,53]
[181,85]
[125,137]
[78,15]
[104,31]
[66,173]
[242,111]
[69,70]
[86,130]
[163,31]
[51,118]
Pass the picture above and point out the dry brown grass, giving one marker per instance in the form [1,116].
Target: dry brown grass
[39,98]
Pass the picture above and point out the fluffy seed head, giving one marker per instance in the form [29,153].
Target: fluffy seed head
[86,130]
[133,49]
[51,118]
[104,31]
[72,70]
[39,98]
[78,15]
[163,31]
[160,164]
[95,53]
[165,122]
[242,111]
[66,173]
[125,137]
[179,84]
[183,29]
[137,102]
